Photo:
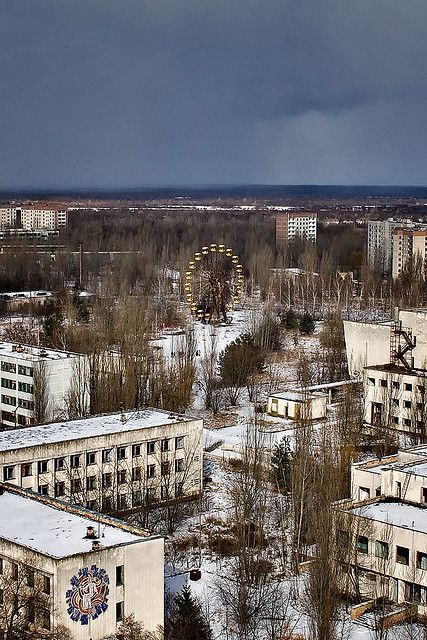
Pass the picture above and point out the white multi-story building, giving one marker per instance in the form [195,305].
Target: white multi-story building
[380,235]
[36,382]
[293,224]
[67,566]
[110,462]
[395,397]
[33,216]
[387,522]
[408,244]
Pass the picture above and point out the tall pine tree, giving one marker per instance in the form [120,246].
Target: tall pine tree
[187,621]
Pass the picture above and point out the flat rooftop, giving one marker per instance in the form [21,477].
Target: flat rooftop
[55,530]
[86,428]
[392,368]
[298,396]
[31,353]
[398,514]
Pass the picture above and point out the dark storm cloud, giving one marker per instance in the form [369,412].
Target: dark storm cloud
[124,93]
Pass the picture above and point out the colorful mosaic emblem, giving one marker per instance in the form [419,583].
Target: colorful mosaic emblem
[88,596]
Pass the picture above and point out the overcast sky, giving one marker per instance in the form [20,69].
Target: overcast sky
[127,93]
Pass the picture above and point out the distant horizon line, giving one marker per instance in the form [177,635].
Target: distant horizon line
[204,187]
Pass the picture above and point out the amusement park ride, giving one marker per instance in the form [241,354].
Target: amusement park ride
[213,283]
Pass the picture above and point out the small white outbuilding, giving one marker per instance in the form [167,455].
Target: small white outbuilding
[297,405]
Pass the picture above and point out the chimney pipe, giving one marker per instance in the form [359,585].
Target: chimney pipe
[90,532]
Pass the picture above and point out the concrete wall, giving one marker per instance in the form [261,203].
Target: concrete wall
[366,344]
[417,322]
[142,591]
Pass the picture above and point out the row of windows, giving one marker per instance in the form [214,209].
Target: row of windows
[382,551]
[9,472]
[395,385]
[30,574]
[123,500]
[25,387]
[22,402]
[23,370]
[16,418]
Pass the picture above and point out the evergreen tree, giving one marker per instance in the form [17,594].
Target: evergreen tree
[306,324]
[187,621]
[281,461]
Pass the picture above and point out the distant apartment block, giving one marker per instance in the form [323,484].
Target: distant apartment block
[30,217]
[293,224]
[380,243]
[30,375]
[111,462]
[408,244]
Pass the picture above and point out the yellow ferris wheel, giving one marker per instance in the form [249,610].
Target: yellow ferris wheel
[213,282]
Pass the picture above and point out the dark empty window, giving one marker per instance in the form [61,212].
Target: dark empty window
[91,457]
[59,464]
[120,607]
[75,462]
[381,549]
[59,489]
[362,544]
[402,555]
[119,575]
[422,560]
[26,470]
[43,466]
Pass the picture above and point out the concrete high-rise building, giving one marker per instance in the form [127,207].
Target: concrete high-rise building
[292,224]
[408,244]
[380,234]
[30,216]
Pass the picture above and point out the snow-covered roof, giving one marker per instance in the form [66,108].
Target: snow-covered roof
[29,352]
[398,514]
[86,428]
[297,396]
[27,294]
[56,531]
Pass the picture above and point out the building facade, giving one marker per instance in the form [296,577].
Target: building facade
[409,244]
[395,398]
[31,216]
[380,237]
[67,566]
[36,383]
[111,463]
[293,224]
[387,526]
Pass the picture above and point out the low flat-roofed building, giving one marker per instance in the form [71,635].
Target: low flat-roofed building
[26,371]
[68,566]
[297,405]
[113,462]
